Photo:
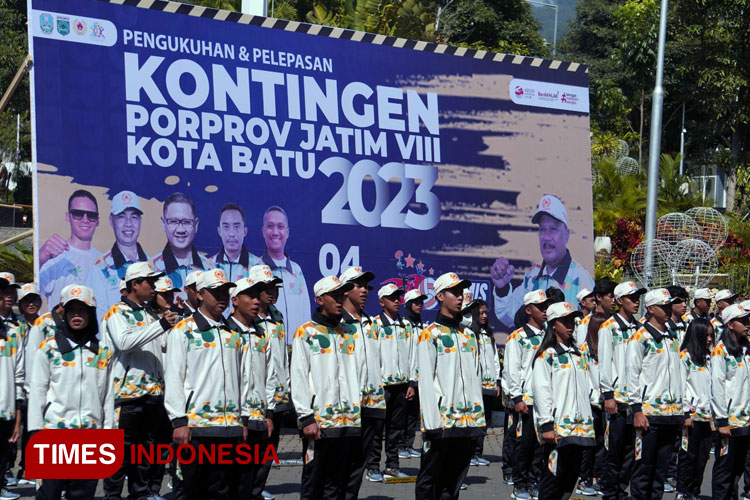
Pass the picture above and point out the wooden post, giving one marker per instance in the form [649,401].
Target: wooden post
[14,83]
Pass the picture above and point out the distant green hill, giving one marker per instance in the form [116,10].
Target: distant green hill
[546,15]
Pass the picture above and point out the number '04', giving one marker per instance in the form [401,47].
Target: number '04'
[387,211]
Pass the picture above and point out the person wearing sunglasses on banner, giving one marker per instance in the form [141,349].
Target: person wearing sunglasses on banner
[180,257]
[730,399]
[71,388]
[65,262]
[104,279]
[562,414]
[520,348]
[614,335]
[450,394]
[656,388]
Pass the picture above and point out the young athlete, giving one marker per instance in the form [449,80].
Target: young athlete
[450,394]
[604,297]
[586,301]
[413,305]
[562,413]
[489,366]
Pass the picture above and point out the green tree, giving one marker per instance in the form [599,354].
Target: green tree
[13,50]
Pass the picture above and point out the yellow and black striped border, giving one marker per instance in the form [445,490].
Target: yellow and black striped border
[357,36]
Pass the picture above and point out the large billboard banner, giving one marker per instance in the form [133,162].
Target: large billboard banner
[199,138]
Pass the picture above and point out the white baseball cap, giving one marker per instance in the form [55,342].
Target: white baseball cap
[262,274]
[78,292]
[388,290]
[123,285]
[551,205]
[10,278]
[192,278]
[354,273]
[142,269]
[212,279]
[468,299]
[703,293]
[583,294]
[124,200]
[724,295]
[28,289]
[449,280]
[627,288]
[330,284]
[414,294]
[165,284]
[733,312]
[535,297]
[560,310]
[658,297]
[245,284]
[745,304]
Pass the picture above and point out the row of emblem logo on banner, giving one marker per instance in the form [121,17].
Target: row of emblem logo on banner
[80,27]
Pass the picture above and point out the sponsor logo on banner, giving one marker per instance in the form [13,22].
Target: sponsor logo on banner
[79,26]
[63,26]
[58,25]
[45,23]
[549,95]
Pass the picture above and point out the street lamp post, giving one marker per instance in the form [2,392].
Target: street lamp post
[654,149]
[552,6]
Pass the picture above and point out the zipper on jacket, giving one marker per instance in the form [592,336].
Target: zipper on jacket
[190,397]
[460,366]
[224,376]
[124,377]
[643,396]
[80,402]
[46,407]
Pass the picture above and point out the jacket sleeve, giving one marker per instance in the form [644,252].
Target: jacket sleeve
[496,358]
[541,386]
[35,337]
[108,395]
[719,403]
[38,390]
[413,364]
[302,394]
[685,371]
[429,399]
[125,336]
[175,371]
[606,360]
[19,372]
[580,333]
[271,347]
[634,364]
[512,370]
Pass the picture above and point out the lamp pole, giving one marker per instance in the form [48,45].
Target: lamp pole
[655,140]
[552,6]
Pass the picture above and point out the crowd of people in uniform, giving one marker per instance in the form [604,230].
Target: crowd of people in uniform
[215,369]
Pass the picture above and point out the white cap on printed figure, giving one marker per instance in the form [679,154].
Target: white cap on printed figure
[414,294]
[28,289]
[658,297]
[78,292]
[552,206]
[124,200]
[560,310]
[449,280]
[212,279]
[330,284]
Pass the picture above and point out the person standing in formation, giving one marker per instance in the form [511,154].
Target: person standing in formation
[450,395]
[413,305]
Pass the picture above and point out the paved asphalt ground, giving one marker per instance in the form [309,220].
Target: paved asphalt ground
[484,482]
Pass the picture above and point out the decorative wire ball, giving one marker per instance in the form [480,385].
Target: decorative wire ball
[676,227]
[627,166]
[695,263]
[659,274]
[622,149]
[712,226]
